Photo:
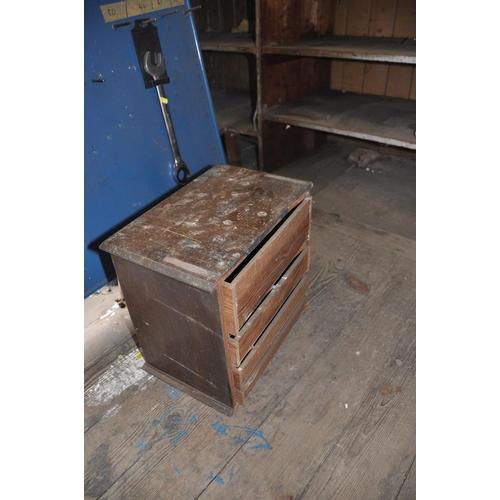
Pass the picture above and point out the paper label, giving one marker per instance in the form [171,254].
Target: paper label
[129,8]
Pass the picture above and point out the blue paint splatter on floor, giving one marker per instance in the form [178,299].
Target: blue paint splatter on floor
[264,444]
[217,478]
[192,419]
[172,393]
[231,474]
[220,428]
[142,445]
[250,432]
[176,469]
[176,440]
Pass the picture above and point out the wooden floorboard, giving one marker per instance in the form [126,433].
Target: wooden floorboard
[346,428]
[333,415]
[109,332]
[381,194]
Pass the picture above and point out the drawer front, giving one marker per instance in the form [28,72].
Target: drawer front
[247,384]
[241,297]
[241,344]
[268,343]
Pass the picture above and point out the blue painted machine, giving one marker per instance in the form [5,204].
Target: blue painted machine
[130,161]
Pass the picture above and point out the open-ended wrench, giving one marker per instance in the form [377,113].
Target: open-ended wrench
[157,69]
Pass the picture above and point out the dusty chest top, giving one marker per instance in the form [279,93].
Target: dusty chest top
[202,232]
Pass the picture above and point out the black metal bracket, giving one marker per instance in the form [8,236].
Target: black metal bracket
[146,39]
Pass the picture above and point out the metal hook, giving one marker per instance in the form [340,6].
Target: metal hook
[170,13]
[191,9]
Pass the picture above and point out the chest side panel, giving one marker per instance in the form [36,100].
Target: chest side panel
[178,328]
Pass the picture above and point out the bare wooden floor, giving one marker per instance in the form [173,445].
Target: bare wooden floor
[332,417]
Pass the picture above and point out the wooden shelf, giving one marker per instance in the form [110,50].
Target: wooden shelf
[383,120]
[234,111]
[395,50]
[298,51]
[227,42]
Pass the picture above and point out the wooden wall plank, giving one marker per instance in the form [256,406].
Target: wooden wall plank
[230,63]
[271,78]
[200,15]
[354,73]
[292,31]
[375,79]
[229,70]
[325,15]
[281,21]
[309,19]
[290,82]
[243,11]
[267,23]
[392,80]
[336,74]
[405,24]
[382,15]
[316,17]
[226,14]
[219,15]
[212,15]
[358,18]
[399,80]
[220,70]
[340,17]
[383,18]
[314,76]
[413,89]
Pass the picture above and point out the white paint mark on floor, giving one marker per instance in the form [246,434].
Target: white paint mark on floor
[109,311]
[112,411]
[120,375]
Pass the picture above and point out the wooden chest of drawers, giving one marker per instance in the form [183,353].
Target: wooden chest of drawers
[214,277]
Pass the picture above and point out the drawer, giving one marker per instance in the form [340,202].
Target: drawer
[245,377]
[273,335]
[241,344]
[245,289]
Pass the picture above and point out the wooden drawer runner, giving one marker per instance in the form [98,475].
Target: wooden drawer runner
[253,282]
[260,350]
[243,342]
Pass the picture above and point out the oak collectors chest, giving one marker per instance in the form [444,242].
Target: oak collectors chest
[214,277]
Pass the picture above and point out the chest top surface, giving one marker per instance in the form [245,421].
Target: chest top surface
[199,234]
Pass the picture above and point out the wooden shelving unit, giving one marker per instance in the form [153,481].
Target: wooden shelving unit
[234,111]
[395,50]
[227,42]
[378,119]
[322,68]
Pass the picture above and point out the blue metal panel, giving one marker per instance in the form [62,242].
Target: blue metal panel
[128,160]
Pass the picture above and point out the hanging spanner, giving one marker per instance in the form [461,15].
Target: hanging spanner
[156,69]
